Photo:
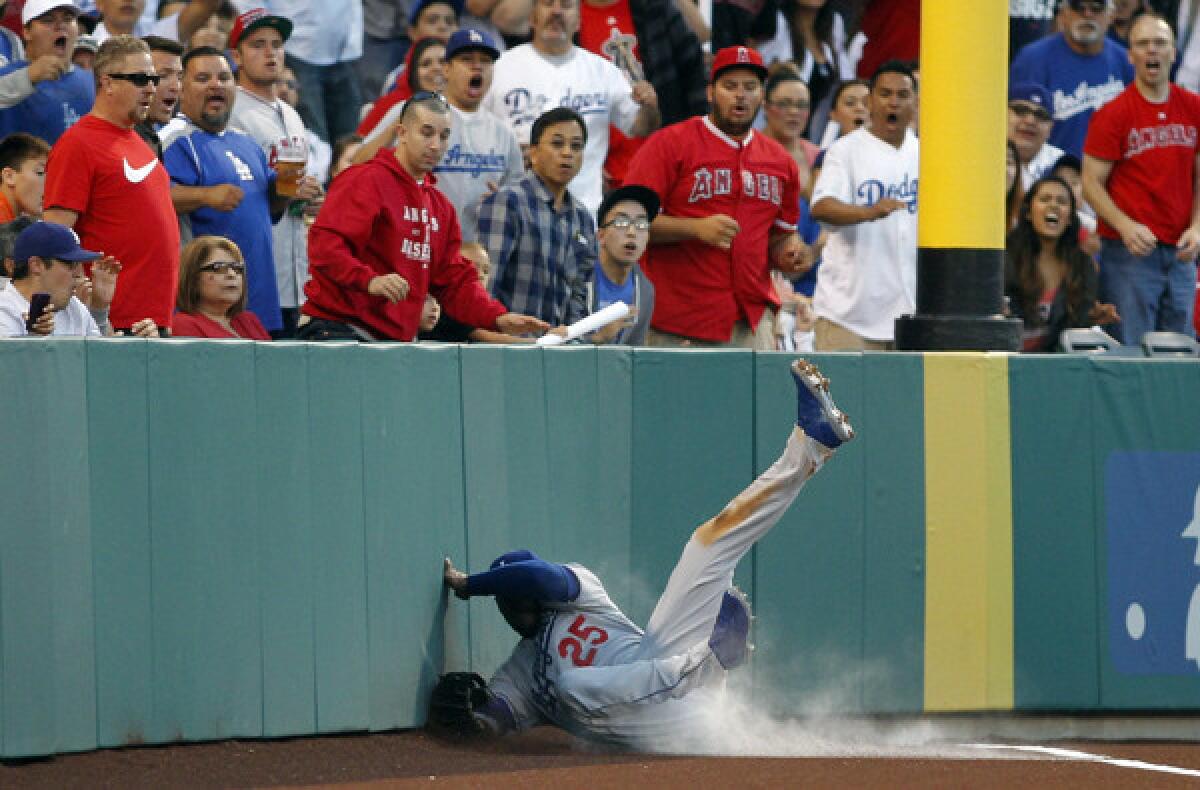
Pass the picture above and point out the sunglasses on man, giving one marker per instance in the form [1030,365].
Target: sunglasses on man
[137,78]
[1095,6]
[1022,110]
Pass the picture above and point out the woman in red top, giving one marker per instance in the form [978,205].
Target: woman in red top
[212,293]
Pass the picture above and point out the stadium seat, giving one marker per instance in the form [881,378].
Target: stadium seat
[1169,344]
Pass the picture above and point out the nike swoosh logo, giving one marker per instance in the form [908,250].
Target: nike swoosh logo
[137,175]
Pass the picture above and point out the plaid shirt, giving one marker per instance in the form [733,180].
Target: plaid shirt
[543,257]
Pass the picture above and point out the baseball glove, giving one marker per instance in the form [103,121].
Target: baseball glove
[455,699]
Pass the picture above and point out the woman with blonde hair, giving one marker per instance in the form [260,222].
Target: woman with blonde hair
[212,293]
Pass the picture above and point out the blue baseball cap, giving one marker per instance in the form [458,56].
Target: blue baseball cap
[467,39]
[49,240]
[1030,92]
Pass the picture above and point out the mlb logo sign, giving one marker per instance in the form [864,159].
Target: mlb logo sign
[743,55]
[1152,519]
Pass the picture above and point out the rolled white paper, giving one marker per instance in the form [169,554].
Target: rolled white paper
[597,320]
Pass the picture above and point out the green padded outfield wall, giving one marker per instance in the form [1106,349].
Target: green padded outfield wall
[205,540]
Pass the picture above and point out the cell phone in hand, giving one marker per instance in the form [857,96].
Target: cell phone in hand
[37,305]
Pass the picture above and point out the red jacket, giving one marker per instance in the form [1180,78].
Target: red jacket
[378,220]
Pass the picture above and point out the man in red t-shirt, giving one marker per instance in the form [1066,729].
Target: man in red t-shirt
[105,182]
[730,202]
[1139,173]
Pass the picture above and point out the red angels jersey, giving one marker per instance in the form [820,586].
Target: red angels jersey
[698,171]
[1153,150]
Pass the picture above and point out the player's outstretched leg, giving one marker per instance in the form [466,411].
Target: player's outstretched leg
[689,605]
[816,413]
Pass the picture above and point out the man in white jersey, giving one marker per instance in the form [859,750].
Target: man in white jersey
[584,666]
[550,71]
[867,196]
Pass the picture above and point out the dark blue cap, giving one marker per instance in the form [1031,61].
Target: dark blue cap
[49,240]
[467,39]
[1030,92]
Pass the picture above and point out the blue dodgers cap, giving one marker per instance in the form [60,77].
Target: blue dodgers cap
[421,5]
[1030,92]
[49,240]
[467,39]
[520,555]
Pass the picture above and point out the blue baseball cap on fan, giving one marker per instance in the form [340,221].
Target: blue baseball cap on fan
[1030,92]
[50,241]
[467,39]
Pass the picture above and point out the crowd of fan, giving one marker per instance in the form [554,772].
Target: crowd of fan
[738,173]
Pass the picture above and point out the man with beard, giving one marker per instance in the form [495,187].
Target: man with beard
[105,182]
[867,192]
[550,71]
[1081,67]
[730,201]
[221,184]
[1139,173]
[166,55]
[61,93]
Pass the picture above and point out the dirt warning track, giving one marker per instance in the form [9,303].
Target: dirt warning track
[546,758]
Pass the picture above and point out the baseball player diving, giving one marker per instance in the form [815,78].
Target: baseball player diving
[582,665]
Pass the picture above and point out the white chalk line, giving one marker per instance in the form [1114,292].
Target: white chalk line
[1071,754]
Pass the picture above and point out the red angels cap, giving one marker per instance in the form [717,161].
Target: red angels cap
[256,18]
[738,57]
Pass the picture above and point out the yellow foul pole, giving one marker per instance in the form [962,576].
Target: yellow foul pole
[960,257]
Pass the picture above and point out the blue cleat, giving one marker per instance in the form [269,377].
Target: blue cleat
[732,630]
[816,413]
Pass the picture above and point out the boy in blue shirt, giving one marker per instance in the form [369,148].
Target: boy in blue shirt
[624,230]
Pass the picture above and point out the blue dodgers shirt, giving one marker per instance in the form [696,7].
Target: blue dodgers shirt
[53,107]
[196,158]
[1078,84]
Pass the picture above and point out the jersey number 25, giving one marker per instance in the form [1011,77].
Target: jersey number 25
[590,635]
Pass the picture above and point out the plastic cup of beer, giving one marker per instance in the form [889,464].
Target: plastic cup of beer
[289,168]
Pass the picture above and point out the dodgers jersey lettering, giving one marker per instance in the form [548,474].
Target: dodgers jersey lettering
[527,84]
[1078,84]
[869,270]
